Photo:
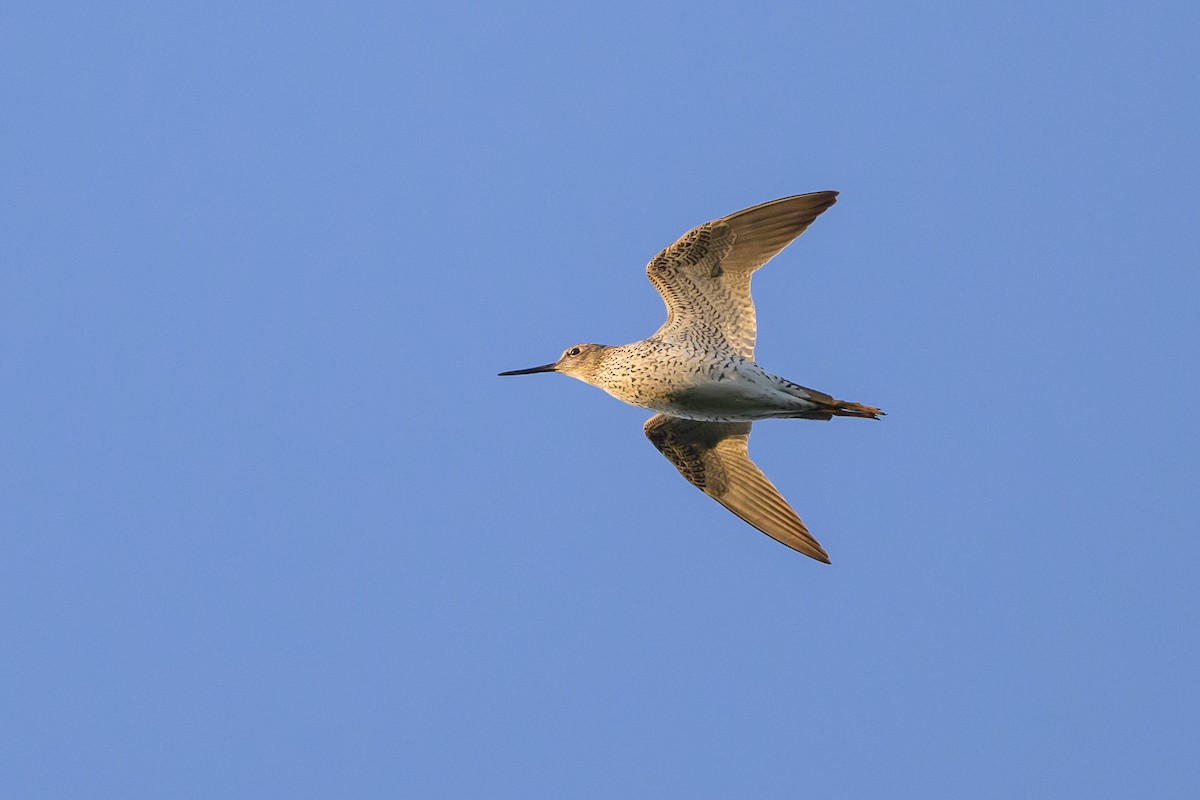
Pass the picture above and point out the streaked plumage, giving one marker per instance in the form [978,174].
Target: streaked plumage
[698,370]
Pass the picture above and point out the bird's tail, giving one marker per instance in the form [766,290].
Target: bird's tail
[844,408]
[828,407]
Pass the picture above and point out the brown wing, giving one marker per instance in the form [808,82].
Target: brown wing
[704,278]
[714,458]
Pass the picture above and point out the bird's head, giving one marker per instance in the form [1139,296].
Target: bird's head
[579,361]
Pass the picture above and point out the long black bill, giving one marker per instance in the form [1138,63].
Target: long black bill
[531,370]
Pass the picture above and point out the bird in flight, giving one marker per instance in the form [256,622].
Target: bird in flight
[697,372]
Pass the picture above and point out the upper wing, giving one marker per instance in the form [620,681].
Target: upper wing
[714,458]
[704,278]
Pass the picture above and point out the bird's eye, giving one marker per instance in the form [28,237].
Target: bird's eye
[574,351]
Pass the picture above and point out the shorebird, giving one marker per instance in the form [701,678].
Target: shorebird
[698,371]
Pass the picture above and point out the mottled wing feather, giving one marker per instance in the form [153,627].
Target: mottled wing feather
[714,458]
[704,278]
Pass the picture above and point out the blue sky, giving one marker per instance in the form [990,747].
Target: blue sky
[274,528]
